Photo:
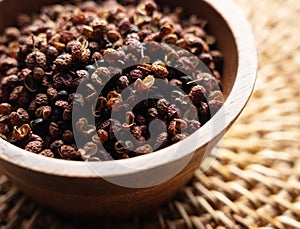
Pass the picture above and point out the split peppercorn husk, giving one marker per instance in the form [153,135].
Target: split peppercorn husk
[105,49]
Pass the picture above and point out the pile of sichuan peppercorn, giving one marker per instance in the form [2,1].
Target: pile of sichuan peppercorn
[105,49]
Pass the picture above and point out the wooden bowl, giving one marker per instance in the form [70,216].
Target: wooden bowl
[136,185]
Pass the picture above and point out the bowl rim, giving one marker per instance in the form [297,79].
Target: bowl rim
[234,104]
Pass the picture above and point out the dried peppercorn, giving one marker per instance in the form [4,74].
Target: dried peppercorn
[22,132]
[52,93]
[150,7]
[35,137]
[38,73]
[43,65]
[41,99]
[43,112]
[56,145]
[63,61]
[136,132]
[84,128]
[11,33]
[88,151]
[161,141]
[144,149]
[136,74]
[172,111]
[176,126]
[103,136]
[34,147]
[162,106]
[68,152]
[193,125]
[51,53]
[152,113]
[19,117]
[197,94]
[207,81]
[159,69]
[123,82]
[68,136]
[47,153]
[36,59]
[4,129]
[53,130]
[178,137]
[5,108]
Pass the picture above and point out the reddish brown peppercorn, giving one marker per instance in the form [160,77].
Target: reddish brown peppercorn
[19,117]
[12,33]
[124,25]
[76,50]
[43,112]
[185,65]
[197,94]
[150,7]
[56,145]
[22,98]
[178,137]
[5,108]
[51,53]
[34,147]
[112,55]
[4,129]
[136,74]
[206,58]
[160,69]
[114,104]
[123,82]
[52,93]
[21,133]
[35,137]
[193,125]
[47,153]
[68,136]
[152,113]
[113,36]
[69,153]
[36,59]
[172,111]
[38,73]
[136,132]
[67,114]
[63,61]
[42,66]
[53,130]
[162,106]
[176,83]
[161,141]
[176,126]
[41,99]
[144,149]
[85,56]
[62,104]
[170,39]
[207,81]
[103,136]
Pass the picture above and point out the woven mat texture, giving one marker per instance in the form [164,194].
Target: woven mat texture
[255,181]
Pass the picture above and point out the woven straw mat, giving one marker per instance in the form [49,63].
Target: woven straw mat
[255,181]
